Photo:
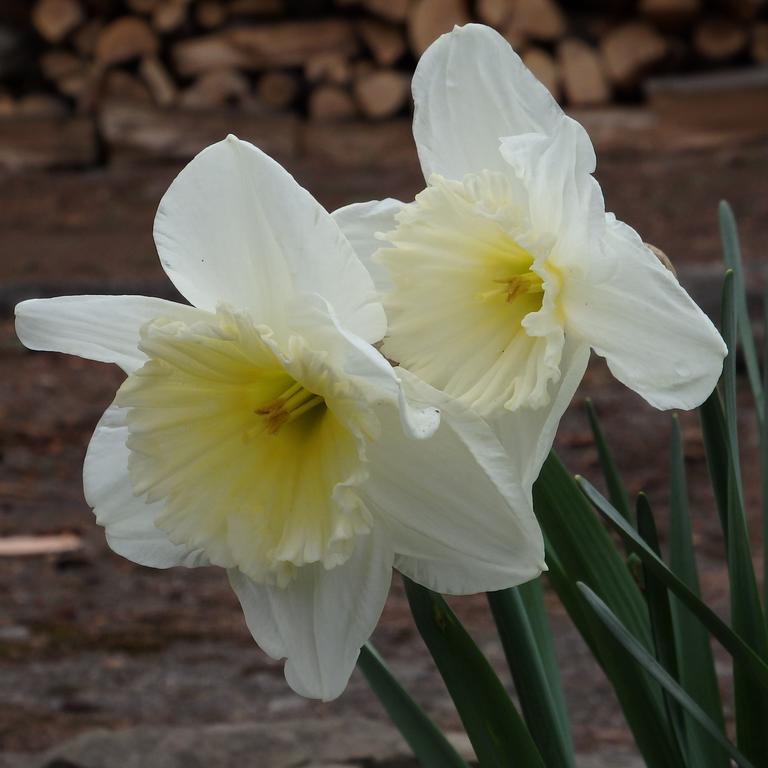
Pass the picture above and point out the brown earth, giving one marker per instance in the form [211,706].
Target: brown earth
[89,640]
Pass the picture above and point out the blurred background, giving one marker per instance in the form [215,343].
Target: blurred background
[101,103]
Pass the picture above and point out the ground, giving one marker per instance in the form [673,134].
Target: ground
[89,640]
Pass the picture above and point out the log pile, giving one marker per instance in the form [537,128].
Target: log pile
[331,61]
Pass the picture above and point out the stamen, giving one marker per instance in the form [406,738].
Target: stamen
[520,285]
[293,403]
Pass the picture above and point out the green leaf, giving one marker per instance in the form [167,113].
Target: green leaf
[696,665]
[716,626]
[657,598]
[729,236]
[751,701]
[532,593]
[616,492]
[763,434]
[495,728]
[653,668]
[540,708]
[425,739]
[584,548]
[579,549]
[716,449]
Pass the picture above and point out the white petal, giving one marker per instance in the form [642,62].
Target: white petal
[128,520]
[654,337]
[565,201]
[236,227]
[320,620]
[103,328]
[470,89]
[527,434]
[360,222]
[315,320]
[460,518]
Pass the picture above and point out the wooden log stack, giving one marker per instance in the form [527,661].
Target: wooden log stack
[347,60]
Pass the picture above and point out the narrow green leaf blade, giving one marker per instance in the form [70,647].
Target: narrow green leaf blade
[747,619]
[616,491]
[584,548]
[425,739]
[579,548]
[653,668]
[729,236]
[763,432]
[657,598]
[715,437]
[716,626]
[696,665]
[540,708]
[493,724]
[532,593]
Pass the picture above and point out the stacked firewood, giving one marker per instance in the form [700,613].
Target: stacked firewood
[345,59]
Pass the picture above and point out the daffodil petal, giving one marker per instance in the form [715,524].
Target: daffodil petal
[316,321]
[527,434]
[128,521]
[361,222]
[320,620]
[654,337]
[470,89]
[565,202]
[460,518]
[102,328]
[235,227]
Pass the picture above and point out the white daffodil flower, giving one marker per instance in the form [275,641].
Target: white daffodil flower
[506,269]
[258,430]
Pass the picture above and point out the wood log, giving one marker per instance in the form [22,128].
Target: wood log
[582,74]
[169,15]
[331,103]
[56,64]
[55,19]
[739,96]
[278,90]
[428,19]
[47,142]
[7,105]
[86,38]
[382,93]
[119,85]
[255,7]
[158,80]
[719,38]
[145,132]
[629,51]
[363,145]
[266,46]
[385,41]
[537,19]
[210,14]
[125,39]
[327,67]
[495,12]
[544,68]
[759,43]
[41,105]
[142,6]
[670,14]
[205,54]
[216,89]
[393,10]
